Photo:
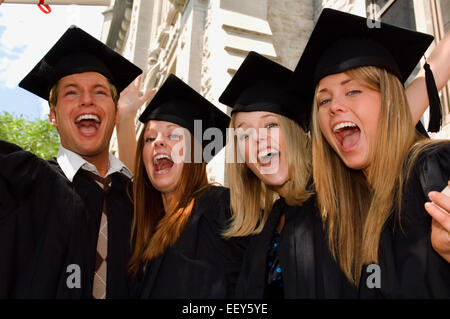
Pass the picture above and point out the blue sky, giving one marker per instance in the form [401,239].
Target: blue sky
[26,34]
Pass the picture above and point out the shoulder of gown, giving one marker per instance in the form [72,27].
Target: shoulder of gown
[410,267]
[39,227]
[214,205]
[22,170]
[434,167]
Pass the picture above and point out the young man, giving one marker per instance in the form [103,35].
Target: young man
[65,224]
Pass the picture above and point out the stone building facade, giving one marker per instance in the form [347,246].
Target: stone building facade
[204,41]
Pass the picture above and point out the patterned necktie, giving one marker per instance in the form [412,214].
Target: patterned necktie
[99,285]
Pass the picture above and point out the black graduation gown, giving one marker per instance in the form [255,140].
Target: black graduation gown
[308,268]
[48,223]
[201,264]
[409,266]
[120,214]
[38,225]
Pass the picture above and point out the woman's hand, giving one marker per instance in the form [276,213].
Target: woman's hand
[440,227]
[131,100]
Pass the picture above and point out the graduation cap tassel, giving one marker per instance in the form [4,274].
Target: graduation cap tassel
[435,103]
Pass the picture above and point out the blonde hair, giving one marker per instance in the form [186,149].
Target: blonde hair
[250,213]
[154,230]
[355,206]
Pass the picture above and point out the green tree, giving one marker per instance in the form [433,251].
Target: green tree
[38,137]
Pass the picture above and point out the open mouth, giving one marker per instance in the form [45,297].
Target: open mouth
[265,157]
[347,134]
[88,124]
[162,163]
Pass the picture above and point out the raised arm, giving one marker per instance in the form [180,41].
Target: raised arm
[129,102]
[416,91]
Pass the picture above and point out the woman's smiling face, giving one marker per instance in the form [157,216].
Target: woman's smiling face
[348,114]
[261,144]
[163,154]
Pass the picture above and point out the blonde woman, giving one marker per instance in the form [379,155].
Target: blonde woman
[372,171]
[178,214]
[268,170]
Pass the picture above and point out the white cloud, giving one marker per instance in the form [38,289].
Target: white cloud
[26,34]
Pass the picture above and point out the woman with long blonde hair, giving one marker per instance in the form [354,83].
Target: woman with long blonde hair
[372,171]
[268,169]
[179,251]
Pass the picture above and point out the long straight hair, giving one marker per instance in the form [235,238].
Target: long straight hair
[153,229]
[251,200]
[355,206]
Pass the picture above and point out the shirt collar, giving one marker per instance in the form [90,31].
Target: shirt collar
[70,162]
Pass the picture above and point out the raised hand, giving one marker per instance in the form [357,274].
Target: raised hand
[131,100]
[440,227]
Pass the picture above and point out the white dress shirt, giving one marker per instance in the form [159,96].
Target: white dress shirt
[71,162]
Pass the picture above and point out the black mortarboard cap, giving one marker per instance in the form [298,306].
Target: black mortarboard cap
[260,84]
[341,41]
[178,103]
[77,52]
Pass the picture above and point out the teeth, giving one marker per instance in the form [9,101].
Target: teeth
[87,117]
[161,156]
[342,125]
